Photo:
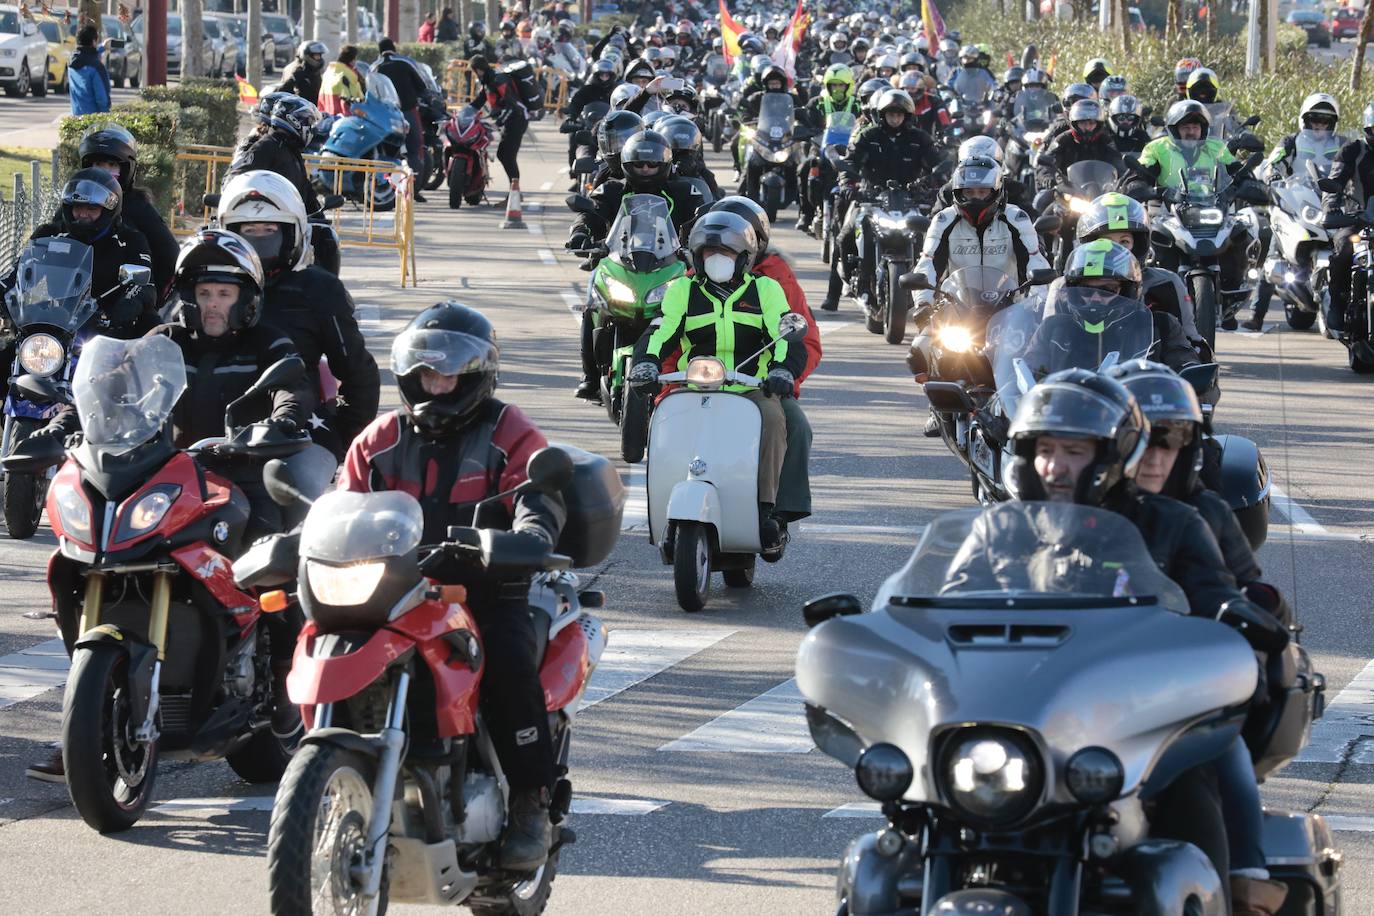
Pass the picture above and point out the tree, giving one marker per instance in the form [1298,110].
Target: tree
[192,39]
[254,42]
[1357,61]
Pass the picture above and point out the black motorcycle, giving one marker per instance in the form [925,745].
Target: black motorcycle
[894,227]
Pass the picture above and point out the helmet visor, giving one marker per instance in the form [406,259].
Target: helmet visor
[1066,410]
[85,191]
[445,352]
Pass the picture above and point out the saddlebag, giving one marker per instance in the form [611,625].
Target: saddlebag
[595,499]
[1276,732]
[1300,851]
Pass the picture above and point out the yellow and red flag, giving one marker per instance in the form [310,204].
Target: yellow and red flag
[248,95]
[934,24]
[785,54]
[730,31]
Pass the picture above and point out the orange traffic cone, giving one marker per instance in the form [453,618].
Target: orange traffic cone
[513,219]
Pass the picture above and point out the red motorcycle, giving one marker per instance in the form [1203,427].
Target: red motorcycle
[396,792]
[168,659]
[466,139]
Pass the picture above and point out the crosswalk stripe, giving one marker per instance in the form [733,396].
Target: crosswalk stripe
[771,723]
[856,810]
[1348,721]
[29,672]
[262,804]
[634,656]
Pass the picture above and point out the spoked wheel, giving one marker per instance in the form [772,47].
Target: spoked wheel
[894,314]
[316,843]
[110,777]
[528,898]
[692,566]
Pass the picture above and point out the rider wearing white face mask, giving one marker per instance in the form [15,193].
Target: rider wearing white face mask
[725,311]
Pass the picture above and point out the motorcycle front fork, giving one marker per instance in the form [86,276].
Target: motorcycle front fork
[392,740]
[159,607]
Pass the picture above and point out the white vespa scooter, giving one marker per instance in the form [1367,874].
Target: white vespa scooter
[702,477]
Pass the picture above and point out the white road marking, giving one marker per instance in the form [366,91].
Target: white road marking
[1349,720]
[29,672]
[546,256]
[534,206]
[534,228]
[636,515]
[1352,823]
[771,723]
[903,531]
[856,809]
[546,186]
[575,305]
[634,656]
[262,804]
[828,326]
[1297,516]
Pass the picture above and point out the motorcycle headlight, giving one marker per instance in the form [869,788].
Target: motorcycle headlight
[1209,216]
[780,155]
[1311,214]
[41,354]
[74,512]
[992,776]
[706,372]
[955,338]
[884,772]
[147,513]
[620,293]
[747,132]
[1079,205]
[344,586]
[656,294]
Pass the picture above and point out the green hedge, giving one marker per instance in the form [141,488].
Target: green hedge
[1150,68]
[435,54]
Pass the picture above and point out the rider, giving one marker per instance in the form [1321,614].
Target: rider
[1354,167]
[477,42]
[306,301]
[689,157]
[1124,114]
[1085,140]
[114,149]
[1095,71]
[304,75]
[724,310]
[450,445]
[1112,88]
[1182,70]
[983,147]
[285,126]
[614,131]
[817,174]
[598,87]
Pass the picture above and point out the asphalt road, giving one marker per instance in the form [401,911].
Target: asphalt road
[32,123]
[699,791]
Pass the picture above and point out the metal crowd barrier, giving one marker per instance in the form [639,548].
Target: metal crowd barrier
[461,85]
[360,225]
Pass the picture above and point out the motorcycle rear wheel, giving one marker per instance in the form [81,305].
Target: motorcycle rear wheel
[894,315]
[25,494]
[322,781]
[109,779]
[528,898]
[692,566]
[265,757]
[1298,319]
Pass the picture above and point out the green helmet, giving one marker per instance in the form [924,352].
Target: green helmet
[1096,70]
[1115,212]
[838,73]
[1104,260]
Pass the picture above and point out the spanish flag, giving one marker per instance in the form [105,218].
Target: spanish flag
[934,24]
[248,95]
[730,31]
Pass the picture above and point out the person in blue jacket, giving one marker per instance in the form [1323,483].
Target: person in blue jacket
[89,80]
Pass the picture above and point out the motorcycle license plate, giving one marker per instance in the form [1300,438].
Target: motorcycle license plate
[983,457]
[775,133]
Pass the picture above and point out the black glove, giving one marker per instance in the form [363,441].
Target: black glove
[643,374]
[578,241]
[125,311]
[286,426]
[778,384]
[1258,626]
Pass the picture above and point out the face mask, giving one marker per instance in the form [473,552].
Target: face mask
[720,268]
[268,248]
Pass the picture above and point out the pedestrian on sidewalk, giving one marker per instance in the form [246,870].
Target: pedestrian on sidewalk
[447,29]
[426,35]
[507,110]
[88,78]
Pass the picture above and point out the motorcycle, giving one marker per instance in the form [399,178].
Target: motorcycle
[980,704]
[632,271]
[466,161]
[715,108]
[1032,112]
[169,659]
[373,129]
[834,147]
[770,159]
[1299,263]
[434,117]
[702,476]
[894,226]
[583,130]
[52,311]
[1083,183]
[397,793]
[1360,321]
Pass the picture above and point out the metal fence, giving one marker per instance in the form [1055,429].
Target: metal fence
[30,202]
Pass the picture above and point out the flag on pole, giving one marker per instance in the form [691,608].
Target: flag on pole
[248,95]
[730,31]
[935,26]
[785,54]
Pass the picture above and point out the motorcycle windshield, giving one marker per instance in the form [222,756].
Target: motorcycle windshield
[971,85]
[465,118]
[348,527]
[53,284]
[776,116]
[643,238]
[1078,554]
[717,70]
[1202,185]
[1223,120]
[124,390]
[1091,177]
[1033,107]
[381,89]
[1316,147]
[839,128]
[977,288]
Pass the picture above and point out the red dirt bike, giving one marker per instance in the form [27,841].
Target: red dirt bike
[168,659]
[466,139]
[396,792]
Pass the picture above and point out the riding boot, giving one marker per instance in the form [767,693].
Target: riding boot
[1256,897]
[770,533]
[529,831]
[831,302]
[589,389]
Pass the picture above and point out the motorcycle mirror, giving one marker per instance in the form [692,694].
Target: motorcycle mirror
[948,397]
[918,223]
[914,280]
[1203,376]
[1156,121]
[1259,628]
[332,202]
[1161,238]
[135,275]
[836,604]
[581,203]
[587,165]
[210,201]
[39,389]
[278,375]
[281,484]
[1043,276]
[1048,224]
[792,327]
[1250,121]
[34,455]
[550,469]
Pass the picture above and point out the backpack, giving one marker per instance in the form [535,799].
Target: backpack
[527,84]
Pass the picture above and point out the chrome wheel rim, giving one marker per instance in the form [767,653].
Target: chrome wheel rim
[340,844]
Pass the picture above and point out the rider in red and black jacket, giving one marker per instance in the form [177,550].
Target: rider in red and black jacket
[502,96]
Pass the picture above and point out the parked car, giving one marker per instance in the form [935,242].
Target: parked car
[174,43]
[283,32]
[61,38]
[23,54]
[1137,19]
[1314,24]
[224,47]
[123,62]
[238,27]
[1345,23]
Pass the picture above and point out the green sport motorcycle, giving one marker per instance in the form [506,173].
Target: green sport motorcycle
[633,268]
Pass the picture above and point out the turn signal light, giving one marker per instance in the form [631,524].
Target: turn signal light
[453,594]
[273,602]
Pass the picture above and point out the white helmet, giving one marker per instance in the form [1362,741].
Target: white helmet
[1318,103]
[622,95]
[980,147]
[265,197]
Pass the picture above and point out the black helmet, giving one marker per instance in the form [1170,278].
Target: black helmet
[1116,212]
[683,135]
[870,87]
[752,211]
[726,230]
[1104,260]
[111,142]
[219,256]
[94,187]
[311,53]
[894,100]
[639,68]
[613,130]
[605,72]
[646,161]
[293,117]
[478,30]
[1080,404]
[773,73]
[1170,405]
[453,340]
[1013,75]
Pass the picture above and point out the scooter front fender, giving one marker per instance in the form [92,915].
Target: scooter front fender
[695,501]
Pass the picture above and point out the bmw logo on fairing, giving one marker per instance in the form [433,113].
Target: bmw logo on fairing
[221,532]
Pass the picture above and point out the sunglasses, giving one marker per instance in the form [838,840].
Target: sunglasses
[1173,436]
[645,167]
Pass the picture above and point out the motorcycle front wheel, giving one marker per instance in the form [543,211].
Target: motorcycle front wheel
[692,565]
[109,777]
[1298,319]
[25,494]
[527,898]
[1205,305]
[318,834]
[435,177]
[634,425]
[894,316]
